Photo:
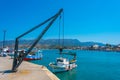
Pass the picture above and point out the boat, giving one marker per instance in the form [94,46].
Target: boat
[4,51]
[36,56]
[33,56]
[63,64]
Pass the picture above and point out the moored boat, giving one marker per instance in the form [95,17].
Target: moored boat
[63,64]
[36,56]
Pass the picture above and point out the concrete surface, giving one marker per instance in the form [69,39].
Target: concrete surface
[26,71]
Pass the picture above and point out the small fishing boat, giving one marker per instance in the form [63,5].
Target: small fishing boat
[37,56]
[63,64]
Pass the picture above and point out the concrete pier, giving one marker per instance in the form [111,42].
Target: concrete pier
[26,71]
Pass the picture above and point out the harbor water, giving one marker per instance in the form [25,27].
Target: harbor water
[91,65]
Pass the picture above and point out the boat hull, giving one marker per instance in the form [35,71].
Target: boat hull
[27,59]
[55,68]
[59,70]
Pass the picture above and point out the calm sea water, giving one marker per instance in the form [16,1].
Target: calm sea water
[92,65]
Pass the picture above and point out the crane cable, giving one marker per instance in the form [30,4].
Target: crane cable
[61,40]
[63,29]
[59,31]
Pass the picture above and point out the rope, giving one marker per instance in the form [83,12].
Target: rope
[59,30]
[63,29]
[61,38]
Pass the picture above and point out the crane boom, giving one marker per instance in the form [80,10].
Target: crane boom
[18,58]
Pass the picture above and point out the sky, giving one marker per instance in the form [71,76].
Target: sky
[85,20]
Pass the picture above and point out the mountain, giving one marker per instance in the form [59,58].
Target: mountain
[91,43]
[66,42]
[53,42]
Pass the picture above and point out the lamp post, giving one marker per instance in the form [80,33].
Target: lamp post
[4,35]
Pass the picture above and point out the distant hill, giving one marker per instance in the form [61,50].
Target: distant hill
[91,43]
[51,42]
[66,42]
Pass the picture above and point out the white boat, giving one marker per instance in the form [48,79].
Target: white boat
[63,64]
[36,56]
[33,56]
[4,52]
